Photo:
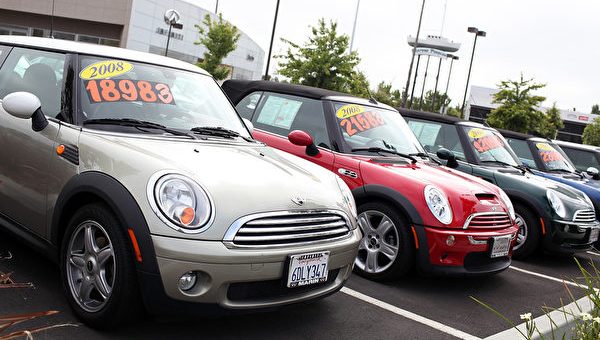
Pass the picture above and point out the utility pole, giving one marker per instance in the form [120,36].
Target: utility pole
[453,58]
[477,33]
[354,27]
[217,7]
[437,78]
[412,92]
[266,77]
[424,81]
[412,60]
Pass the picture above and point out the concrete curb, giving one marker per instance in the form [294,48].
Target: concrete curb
[562,322]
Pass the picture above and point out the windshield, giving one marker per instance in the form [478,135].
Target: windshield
[553,158]
[489,146]
[370,127]
[176,99]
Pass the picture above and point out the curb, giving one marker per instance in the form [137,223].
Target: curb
[561,323]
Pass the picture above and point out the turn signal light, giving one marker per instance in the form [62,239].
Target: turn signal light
[187,216]
[60,149]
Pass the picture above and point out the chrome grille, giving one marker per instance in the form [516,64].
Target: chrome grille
[490,220]
[287,228]
[584,216]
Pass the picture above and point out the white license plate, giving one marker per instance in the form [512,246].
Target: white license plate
[308,269]
[594,234]
[500,246]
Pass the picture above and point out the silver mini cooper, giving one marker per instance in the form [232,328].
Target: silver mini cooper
[137,175]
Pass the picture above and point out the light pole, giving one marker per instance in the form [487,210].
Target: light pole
[217,7]
[477,33]
[266,77]
[412,60]
[172,19]
[452,59]
[412,92]
[424,81]
[354,27]
[437,78]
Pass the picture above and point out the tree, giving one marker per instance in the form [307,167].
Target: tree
[220,38]
[595,109]
[385,94]
[441,99]
[591,133]
[551,123]
[455,111]
[323,61]
[519,107]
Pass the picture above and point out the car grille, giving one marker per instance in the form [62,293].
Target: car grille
[280,229]
[488,221]
[584,216]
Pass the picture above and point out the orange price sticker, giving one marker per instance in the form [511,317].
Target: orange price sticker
[126,90]
[361,122]
[487,143]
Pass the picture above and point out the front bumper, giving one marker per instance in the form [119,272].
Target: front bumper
[468,255]
[245,278]
[569,237]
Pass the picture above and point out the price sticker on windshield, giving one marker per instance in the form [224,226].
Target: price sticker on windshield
[544,147]
[361,122]
[477,133]
[350,110]
[105,69]
[548,153]
[127,90]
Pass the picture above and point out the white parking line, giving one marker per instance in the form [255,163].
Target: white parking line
[409,315]
[565,281]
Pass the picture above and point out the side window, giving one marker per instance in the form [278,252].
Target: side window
[247,106]
[281,114]
[38,72]
[434,136]
[581,159]
[522,150]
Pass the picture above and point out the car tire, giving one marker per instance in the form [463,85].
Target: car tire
[97,269]
[386,250]
[528,236]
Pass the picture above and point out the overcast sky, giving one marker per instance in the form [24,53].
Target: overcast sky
[555,42]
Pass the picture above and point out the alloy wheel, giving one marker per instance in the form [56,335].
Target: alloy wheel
[522,234]
[379,246]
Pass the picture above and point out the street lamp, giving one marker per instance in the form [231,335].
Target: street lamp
[414,51]
[452,59]
[266,77]
[172,19]
[354,26]
[477,33]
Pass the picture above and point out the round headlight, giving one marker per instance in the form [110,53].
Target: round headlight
[438,204]
[182,202]
[347,195]
[556,203]
[507,201]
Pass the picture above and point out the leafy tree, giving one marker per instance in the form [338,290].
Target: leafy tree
[551,123]
[220,38]
[595,109]
[455,111]
[384,93]
[591,133]
[519,107]
[323,61]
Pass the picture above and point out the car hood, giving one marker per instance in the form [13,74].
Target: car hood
[241,178]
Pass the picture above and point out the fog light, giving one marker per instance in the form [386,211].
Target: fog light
[187,281]
[450,240]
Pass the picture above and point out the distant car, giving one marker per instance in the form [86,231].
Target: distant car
[143,195]
[552,215]
[411,209]
[586,158]
[545,158]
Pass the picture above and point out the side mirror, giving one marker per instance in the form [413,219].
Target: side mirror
[593,172]
[248,124]
[301,138]
[447,155]
[25,105]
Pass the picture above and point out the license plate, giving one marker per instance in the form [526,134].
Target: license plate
[594,234]
[307,269]
[500,246]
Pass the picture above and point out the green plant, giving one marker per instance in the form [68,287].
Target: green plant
[220,38]
[591,133]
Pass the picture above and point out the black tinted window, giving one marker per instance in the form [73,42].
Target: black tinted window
[434,136]
[582,159]
[522,150]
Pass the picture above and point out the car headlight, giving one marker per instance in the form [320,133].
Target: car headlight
[181,202]
[507,201]
[348,197]
[556,203]
[438,204]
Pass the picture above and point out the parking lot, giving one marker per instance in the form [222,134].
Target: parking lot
[414,307]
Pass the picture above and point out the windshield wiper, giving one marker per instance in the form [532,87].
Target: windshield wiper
[380,150]
[219,132]
[138,124]
[523,168]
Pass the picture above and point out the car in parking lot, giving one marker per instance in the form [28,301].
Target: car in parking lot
[412,211]
[142,200]
[583,156]
[550,214]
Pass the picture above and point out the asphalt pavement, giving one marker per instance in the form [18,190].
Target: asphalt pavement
[414,307]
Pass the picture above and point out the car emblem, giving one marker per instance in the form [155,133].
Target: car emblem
[299,200]
[494,208]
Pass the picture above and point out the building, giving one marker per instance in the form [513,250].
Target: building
[132,24]
[480,105]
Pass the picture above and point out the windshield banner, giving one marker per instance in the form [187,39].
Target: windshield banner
[548,153]
[355,118]
[119,90]
[484,140]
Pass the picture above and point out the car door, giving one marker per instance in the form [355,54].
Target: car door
[276,115]
[24,169]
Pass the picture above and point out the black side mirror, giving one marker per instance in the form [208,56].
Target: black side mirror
[447,155]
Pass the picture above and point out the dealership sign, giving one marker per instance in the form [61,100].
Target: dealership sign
[431,52]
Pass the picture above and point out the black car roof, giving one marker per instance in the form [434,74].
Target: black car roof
[522,136]
[436,117]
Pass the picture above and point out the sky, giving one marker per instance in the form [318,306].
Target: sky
[555,42]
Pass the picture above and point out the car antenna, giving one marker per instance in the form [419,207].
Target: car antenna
[372,99]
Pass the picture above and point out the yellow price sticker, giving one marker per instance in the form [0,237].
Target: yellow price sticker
[477,133]
[544,147]
[105,69]
[349,110]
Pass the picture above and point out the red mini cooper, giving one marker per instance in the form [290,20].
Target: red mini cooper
[412,210]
